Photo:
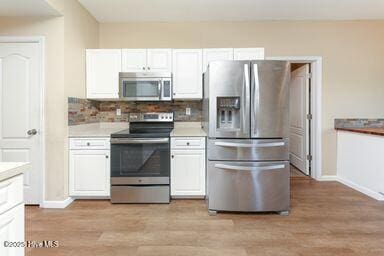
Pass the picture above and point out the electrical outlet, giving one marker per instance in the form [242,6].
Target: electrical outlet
[188,111]
[118,112]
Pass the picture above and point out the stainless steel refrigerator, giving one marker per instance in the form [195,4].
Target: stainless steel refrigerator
[246,117]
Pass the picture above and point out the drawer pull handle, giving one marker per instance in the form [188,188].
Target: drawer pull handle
[243,145]
[250,168]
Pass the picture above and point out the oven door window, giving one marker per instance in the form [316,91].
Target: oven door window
[140,160]
[141,89]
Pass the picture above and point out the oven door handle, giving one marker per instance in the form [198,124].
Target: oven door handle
[139,141]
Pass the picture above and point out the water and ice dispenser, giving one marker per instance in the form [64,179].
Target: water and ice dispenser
[228,113]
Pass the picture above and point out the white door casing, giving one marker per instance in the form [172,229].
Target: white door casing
[299,124]
[20,111]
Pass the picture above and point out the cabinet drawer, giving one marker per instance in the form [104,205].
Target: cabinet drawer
[188,143]
[89,143]
[11,193]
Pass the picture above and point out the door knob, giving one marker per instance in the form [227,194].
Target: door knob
[32,132]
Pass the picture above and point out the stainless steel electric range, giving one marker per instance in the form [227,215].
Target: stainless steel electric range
[140,159]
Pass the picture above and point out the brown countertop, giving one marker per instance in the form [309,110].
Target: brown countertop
[367,130]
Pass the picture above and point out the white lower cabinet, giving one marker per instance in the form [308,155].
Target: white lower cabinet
[89,171]
[187,168]
[12,218]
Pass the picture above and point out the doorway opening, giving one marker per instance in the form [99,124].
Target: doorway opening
[306,70]
[300,120]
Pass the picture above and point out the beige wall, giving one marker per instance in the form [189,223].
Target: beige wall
[81,31]
[66,39]
[352,54]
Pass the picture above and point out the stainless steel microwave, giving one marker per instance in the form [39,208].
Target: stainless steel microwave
[145,86]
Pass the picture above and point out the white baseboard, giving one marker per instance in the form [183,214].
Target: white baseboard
[328,178]
[57,204]
[362,189]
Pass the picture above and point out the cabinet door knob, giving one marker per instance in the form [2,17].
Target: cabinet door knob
[149,68]
[88,144]
[187,143]
[32,132]
[143,68]
[106,156]
[172,156]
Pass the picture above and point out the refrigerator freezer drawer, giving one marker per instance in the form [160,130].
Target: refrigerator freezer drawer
[248,186]
[248,150]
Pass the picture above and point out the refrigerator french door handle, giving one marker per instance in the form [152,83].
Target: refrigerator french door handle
[246,100]
[256,98]
[243,145]
[249,168]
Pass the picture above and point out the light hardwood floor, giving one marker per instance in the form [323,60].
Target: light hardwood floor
[326,219]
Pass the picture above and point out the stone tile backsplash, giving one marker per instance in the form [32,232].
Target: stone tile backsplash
[359,122]
[84,111]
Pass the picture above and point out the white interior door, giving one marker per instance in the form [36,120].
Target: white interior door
[20,112]
[299,125]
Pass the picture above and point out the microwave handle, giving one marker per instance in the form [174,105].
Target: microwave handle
[159,89]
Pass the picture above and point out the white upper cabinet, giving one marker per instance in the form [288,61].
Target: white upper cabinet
[213,54]
[102,73]
[159,60]
[248,53]
[146,60]
[187,73]
[134,60]
[186,65]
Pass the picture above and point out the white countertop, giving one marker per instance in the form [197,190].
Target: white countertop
[188,129]
[96,129]
[10,169]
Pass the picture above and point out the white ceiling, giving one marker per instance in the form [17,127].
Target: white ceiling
[11,8]
[233,10]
